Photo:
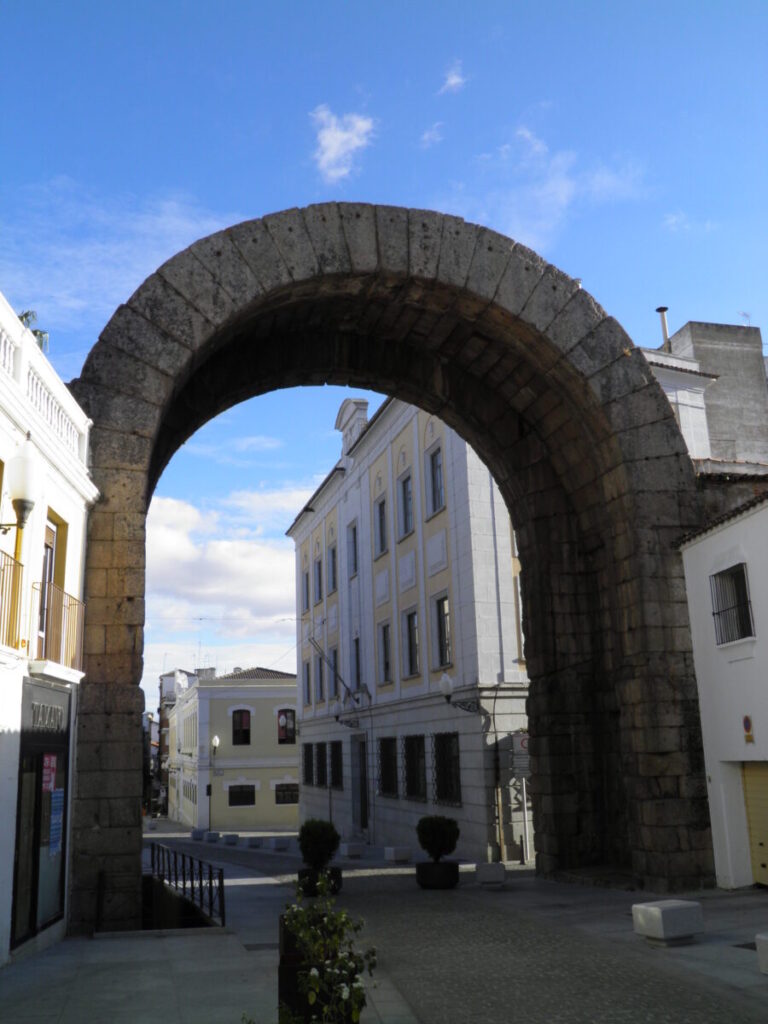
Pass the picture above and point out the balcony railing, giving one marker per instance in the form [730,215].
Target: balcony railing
[10,599]
[58,621]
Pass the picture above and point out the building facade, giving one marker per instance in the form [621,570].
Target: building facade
[726,573]
[407,594]
[232,751]
[45,494]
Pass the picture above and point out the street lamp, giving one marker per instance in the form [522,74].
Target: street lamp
[447,687]
[215,741]
[22,476]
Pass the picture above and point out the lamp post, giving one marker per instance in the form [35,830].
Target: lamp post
[22,476]
[214,747]
[447,687]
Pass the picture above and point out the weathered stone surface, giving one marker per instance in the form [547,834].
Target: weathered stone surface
[555,398]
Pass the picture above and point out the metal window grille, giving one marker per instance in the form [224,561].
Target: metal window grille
[242,796]
[731,607]
[308,764]
[321,764]
[414,768]
[286,793]
[387,766]
[446,770]
[337,766]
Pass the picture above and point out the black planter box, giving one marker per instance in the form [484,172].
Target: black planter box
[443,874]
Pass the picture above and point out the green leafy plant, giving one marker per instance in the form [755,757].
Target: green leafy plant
[318,841]
[29,317]
[330,975]
[437,835]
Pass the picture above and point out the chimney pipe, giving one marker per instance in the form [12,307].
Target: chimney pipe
[662,311]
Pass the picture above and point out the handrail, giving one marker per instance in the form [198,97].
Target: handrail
[57,626]
[10,599]
[179,870]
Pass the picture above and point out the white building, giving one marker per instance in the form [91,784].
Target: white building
[232,751]
[726,574]
[41,633]
[406,577]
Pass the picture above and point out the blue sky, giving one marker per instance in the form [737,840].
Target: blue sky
[627,143]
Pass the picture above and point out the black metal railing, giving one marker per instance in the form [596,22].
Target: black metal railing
[194,879]
[58,619]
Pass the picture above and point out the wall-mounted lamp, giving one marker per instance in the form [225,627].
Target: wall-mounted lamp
[282,720]
[447,687]
[22,475]
[215,741]
[350,723]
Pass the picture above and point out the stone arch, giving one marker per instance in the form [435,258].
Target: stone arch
[555,398]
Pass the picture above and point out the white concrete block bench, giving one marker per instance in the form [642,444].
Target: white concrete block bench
[351,849]
[211,837]
[254,841]
[397,854]
[198,834]
[231,838]
[761,943]
[491,876]
[668,922]
[278,842]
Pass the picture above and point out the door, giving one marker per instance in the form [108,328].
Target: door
[45,640]
[359,782]
[755,781]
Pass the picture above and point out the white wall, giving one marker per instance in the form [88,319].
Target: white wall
[731,681]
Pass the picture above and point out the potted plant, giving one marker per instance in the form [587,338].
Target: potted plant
[437,836]
[318,842]
[320,976]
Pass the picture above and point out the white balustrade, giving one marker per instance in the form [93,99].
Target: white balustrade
[49,408]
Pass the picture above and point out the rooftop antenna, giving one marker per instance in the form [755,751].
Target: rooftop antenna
[662,311]
[747,317]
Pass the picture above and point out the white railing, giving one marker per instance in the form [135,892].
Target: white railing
[7,350]
[49,408]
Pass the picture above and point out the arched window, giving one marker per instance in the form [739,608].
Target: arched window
[241,728]
[286,725]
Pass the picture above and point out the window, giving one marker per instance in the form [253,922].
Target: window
[380,526]
[446,769]
[307,764]
[321,764]
[731,607]
[319,682]
[242,796]
[241,728]
[318,580]
[388,766]
[435,480]
[406,505]
[305,592]
[333,682]
[385,654]
[352,549]
[332,581]
[356,667]
[307,684]
[410,643]
[443,623]
[286,725]
[286,793]
[337,766]
[415,768]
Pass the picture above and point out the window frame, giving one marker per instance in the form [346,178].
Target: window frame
[731,605]
[405,507]
[353,554]
[242,789]
[286,734]
[321,764]
[386,752]
[332,573]
[410,644]
[443,637]
[307,764]
[317,579]
[286,789]
[306,674]
[385,653]
[414,758]
[380,530]
[357,667]
[319,680]
[242,730]
[333,681]
[446,769]
[304,591]
[336,758]
[435,480]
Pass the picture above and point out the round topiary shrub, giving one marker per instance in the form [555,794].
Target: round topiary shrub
[437,835]
[318,842]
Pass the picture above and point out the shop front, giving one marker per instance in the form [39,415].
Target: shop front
[39,882]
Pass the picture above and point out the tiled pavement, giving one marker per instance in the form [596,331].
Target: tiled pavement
[536,952]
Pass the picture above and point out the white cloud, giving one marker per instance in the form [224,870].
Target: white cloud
[74,254]
[269,509]
[432,135]
[339,139]
[454,79]
[236,451]
[528,190]
[678,222]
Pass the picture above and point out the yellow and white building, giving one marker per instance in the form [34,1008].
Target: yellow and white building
[407,592]
[45,493]
[237,735]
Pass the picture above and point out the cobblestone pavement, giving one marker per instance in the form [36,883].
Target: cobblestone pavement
[473,957]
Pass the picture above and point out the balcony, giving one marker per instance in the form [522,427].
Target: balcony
[11,573]
[57,624]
